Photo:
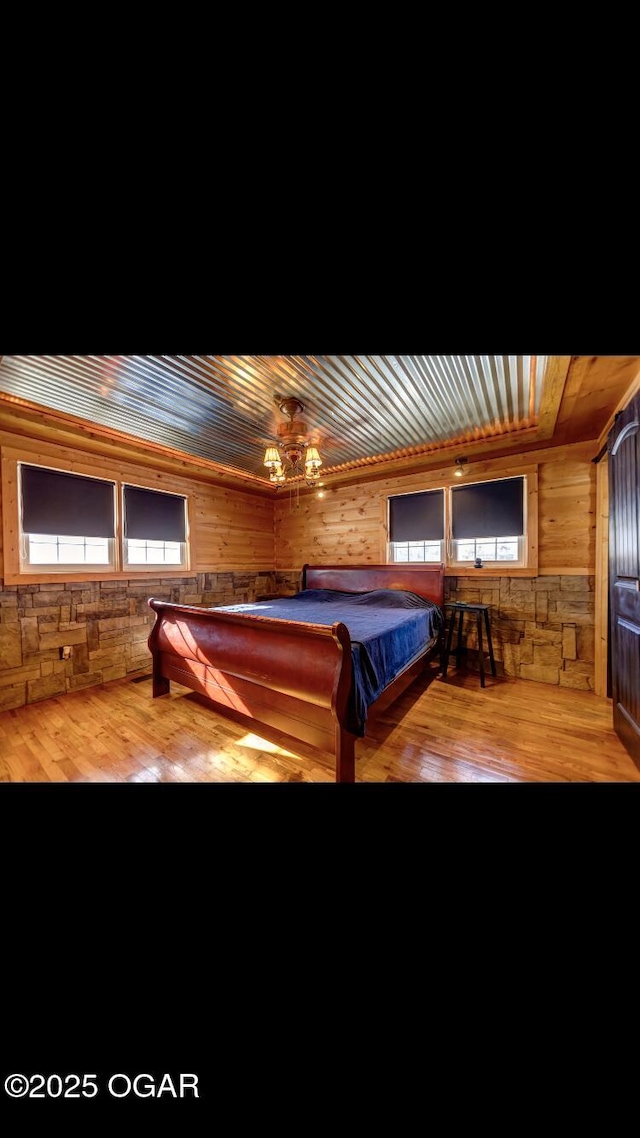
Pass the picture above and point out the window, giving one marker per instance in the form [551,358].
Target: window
[416,526]
[493,519]
[50,549]
[155,527]
[77,524]
[65,519]
[487,521]
[489,549]
[154,552]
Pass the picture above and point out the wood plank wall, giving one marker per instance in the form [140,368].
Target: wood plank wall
[232,530]
[347,525]
[567,513]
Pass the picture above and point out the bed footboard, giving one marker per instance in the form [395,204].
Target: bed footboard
[289,675]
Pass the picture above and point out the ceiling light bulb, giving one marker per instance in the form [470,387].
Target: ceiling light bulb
[458,474]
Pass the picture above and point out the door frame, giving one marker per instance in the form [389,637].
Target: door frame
[602,674]
[602,653]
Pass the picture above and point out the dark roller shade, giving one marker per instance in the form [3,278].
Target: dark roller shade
[152,516]
[417,517]
[66,504]
[488,509]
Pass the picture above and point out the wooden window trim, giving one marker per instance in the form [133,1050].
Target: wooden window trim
[14,575]
[496,568]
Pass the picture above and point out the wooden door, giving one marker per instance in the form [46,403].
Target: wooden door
[624,574]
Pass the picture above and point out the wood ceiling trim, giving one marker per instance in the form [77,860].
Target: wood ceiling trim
[18,416]
[500,447]
[633,389]
[437,452]
[552,392]
[439,466]
[532,388]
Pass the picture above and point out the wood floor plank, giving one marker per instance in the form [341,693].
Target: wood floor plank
[511,731]
[23,766]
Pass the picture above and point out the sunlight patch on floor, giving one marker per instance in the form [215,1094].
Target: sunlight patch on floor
[258,744]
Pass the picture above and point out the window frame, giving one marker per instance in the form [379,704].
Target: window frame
[17,573]
[56,568]
[152,565]
[517,562]
[30,567]
[416,561]
[126,554]
[527,562]
[521,561]
[441,542]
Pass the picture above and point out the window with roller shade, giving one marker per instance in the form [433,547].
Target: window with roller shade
[154,527]
[416,526]
[66,520]
[488,521]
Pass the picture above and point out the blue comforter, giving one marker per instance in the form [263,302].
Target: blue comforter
[388,629]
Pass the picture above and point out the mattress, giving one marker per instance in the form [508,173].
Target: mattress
[389,629]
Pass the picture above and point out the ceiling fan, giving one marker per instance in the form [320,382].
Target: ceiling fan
[292,452]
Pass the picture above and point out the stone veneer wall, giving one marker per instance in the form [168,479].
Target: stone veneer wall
[107,624]
[542,627]
[288,581]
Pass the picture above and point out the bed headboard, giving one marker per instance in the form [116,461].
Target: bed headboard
[426,581]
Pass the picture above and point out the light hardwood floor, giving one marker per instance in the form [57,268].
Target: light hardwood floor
[512,731]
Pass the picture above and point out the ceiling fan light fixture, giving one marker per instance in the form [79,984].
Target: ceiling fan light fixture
[294,457]
[272,458]
[312,459]
[276,473]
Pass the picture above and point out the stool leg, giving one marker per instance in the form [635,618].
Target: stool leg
[480,648]
[459,644]
[489,642]
[445,662]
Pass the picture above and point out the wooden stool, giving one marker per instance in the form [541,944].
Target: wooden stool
[479,610]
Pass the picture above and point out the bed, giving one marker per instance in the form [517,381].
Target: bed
[315,665]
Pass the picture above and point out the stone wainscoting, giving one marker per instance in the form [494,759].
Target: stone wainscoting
[542,627]
[288,581]
[106,623]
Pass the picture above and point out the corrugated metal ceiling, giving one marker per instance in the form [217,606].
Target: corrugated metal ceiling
[224,408]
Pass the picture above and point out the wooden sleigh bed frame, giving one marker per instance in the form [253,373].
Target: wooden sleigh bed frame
[285,674]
